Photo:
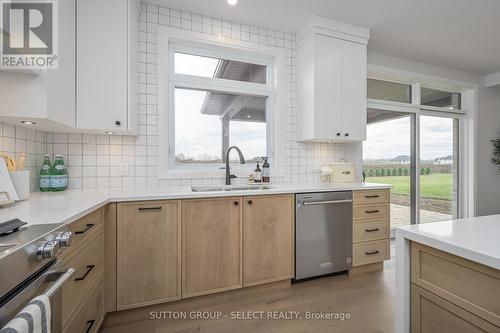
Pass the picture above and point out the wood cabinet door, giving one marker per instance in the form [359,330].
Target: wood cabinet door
[211,245]
[268,239]
[148,253]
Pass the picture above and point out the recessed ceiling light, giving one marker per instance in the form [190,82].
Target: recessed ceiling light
[110,132]
[232,2]
[27,122]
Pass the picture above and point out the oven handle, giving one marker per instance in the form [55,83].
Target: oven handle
[59,282]
[312,203]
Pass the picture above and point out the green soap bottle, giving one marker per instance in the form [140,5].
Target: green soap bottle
[58,175]
[45,174]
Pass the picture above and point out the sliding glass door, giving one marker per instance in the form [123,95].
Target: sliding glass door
[439,168]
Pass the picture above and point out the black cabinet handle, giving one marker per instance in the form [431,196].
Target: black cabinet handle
[90,323]
[250,202]
[118,123]
[371,211]
[89,269]
[347,134]
[236,203]
[338,134]
[371,196]
[87,228]
[371,253]
[143,209]
[372,230]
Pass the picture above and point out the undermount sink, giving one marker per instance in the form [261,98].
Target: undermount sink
[229,188]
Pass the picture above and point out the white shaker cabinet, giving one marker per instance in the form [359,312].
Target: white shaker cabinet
[332,83]
[106,72]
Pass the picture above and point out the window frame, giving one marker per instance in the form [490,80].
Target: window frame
[171,41]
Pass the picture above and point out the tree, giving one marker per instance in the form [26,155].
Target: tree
[388,173]
[371,173]
[394,172]
[406,172]
[400,172]
[422,171]
[428,171]
[382,173]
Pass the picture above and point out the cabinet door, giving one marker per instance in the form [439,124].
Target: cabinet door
[268,239]
[328,85]
[148,256]
[211,245]
[102,49]
[353,91]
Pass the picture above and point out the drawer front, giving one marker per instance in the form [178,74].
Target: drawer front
[87,262]
[370,252]
[369,197]
[431,313]
[89,316]
[467,284]
[84,226]
[370,231]
[370,212]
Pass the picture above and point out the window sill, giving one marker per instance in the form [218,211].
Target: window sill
[206,174]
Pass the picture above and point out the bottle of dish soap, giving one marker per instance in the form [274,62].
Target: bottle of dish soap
[258,174]
[266,177]
[45,174]
[59,175]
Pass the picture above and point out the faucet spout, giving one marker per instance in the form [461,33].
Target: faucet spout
[242,161]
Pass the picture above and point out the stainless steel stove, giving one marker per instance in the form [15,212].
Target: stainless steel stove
[29,264]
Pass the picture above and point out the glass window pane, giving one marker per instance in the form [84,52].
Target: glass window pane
[191,64]
[388,91]
[207,123]
[438,168]
[433,97]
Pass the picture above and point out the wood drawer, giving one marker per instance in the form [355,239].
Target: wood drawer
[368,197]
[469,285]
[87,262]
[370,252]
[433,314]
[84,226]
[369,231]
[89,316]
[370,212]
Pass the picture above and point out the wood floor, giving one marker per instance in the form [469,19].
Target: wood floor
[367,297]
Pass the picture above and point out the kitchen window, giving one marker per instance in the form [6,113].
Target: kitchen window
[217,96]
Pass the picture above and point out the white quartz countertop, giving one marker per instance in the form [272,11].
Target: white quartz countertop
[476,238]
[70,205]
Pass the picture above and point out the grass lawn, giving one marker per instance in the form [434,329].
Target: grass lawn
[434,186]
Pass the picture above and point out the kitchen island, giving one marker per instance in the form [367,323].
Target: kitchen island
[448,276]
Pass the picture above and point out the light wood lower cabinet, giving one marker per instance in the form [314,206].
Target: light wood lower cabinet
[148,253]
[211,245]
[89,316]
[268,239]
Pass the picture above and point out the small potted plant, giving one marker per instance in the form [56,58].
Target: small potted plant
[495,158]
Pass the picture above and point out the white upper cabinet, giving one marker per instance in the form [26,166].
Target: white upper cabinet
[332,82]
[106,75]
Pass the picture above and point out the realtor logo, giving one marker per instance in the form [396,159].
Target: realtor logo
[29,34]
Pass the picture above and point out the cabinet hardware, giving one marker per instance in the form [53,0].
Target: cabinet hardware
[347,134]
[312,203]
[87,228]
[250,202]
[371,253]
[371,196]
[142,209]
[89,269]
[118,123]
[338,134]
[372,211]
[372,230]
[236,203]
[90,323]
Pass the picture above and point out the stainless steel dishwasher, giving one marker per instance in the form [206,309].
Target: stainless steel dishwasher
[323,234]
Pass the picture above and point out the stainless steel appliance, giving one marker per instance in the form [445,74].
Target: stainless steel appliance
[29,267]
[323,234]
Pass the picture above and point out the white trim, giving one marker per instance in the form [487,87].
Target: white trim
[238,50]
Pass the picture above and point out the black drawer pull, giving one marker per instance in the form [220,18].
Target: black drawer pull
[236,203]
[89,269]
[90,323]
[87,228]
[372,211]
[250,202]
[143,209]
[372,230]
[371,253]
[372,196]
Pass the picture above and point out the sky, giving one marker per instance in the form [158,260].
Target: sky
[388,139]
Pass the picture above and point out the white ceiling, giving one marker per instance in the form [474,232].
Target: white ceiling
[459,34]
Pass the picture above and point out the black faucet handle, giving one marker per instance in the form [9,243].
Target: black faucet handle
[232,176]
